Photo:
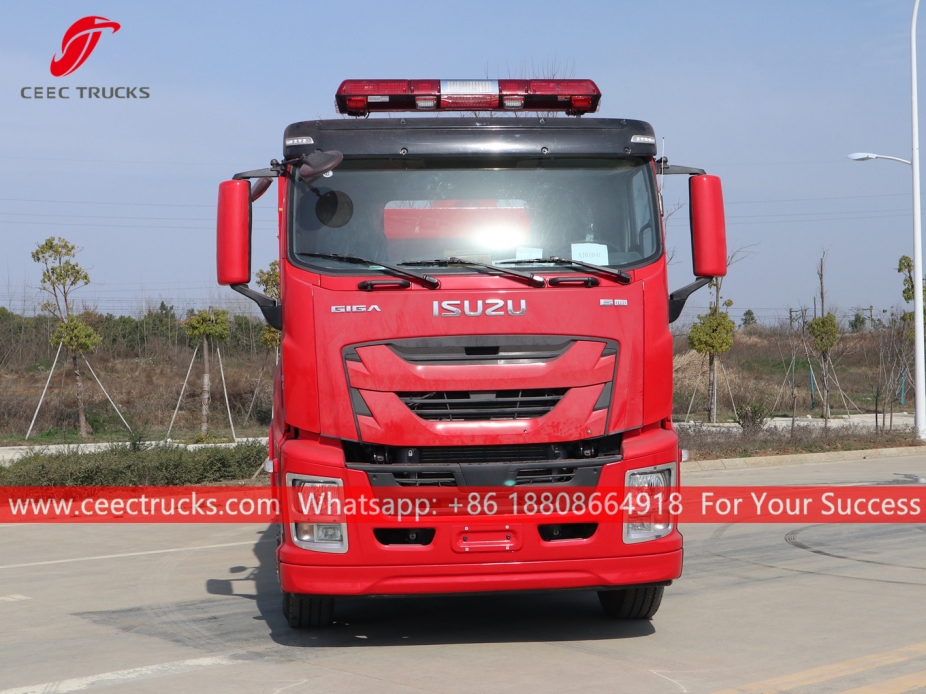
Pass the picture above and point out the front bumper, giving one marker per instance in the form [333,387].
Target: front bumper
[484,577]
[369,568]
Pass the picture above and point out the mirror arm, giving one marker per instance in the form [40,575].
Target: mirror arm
[270,307]
[257,173]
[678,298]
[665,169]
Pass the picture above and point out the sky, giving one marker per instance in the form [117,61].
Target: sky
[769,96]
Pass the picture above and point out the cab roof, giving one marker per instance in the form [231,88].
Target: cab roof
[460,136]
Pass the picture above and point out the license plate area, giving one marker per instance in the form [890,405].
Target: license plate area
[467,539]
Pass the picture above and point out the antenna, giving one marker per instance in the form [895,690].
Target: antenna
[662,176]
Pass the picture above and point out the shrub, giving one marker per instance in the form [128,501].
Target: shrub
[706,442]
[752,416]
[130,465]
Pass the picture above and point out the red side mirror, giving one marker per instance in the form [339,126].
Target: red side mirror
[708,228]
[233,233]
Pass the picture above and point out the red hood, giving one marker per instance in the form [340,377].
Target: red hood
[559,351]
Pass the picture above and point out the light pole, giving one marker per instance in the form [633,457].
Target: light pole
[919,359]
[866,156]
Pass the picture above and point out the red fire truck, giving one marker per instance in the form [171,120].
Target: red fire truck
[470,301]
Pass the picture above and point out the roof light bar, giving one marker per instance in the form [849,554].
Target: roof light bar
[573,97]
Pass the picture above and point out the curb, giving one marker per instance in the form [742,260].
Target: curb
[800,459]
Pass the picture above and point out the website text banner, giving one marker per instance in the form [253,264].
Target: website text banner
[398,506]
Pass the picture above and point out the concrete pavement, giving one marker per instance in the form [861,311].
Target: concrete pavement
[761,608]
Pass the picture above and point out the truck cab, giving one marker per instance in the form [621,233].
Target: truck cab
[473,305]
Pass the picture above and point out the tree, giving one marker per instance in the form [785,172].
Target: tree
[269,281]
[203,326]
[893,346]
[858,322]
[749,318]
[824,333]
[713,333]
[61,277]
[905,267]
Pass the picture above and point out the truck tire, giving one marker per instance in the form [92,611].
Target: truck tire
[631,603]
[308,611]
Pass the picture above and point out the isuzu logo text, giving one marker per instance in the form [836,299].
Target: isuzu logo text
[479,307]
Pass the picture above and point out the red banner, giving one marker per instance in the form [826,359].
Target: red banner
[402,505]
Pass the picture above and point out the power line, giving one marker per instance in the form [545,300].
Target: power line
[212,219]
[147,204]
[842,197]
[119,226]
[805,221]
[274,206]
[806,214]
[100,216]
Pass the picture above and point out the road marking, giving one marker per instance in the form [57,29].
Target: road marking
[79,683]
[904,683]
[676,682]
[130,554]
[13,598]
[828,672]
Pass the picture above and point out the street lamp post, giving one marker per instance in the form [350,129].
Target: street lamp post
[919,358]
[919,361]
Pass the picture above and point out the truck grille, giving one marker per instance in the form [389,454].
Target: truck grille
[475,406]
[556,475]
[425,478]
[483,454]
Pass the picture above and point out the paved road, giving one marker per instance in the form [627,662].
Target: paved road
[759,609]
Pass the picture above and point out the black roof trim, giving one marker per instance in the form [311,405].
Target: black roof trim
[388,137]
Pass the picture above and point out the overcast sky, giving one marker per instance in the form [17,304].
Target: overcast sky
[771,96]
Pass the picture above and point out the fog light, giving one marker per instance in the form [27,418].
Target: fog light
[327,533]
[649,491]
[318,532]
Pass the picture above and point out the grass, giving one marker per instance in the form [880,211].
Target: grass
[146,391]
[135,465]
[773,367]
[709,443]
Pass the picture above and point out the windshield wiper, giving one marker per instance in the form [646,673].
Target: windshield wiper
[493,269]
[425,280]
[617,275]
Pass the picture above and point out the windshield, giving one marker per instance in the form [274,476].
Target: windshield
[600,211]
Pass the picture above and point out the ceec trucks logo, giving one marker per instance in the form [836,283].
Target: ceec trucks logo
[78,43]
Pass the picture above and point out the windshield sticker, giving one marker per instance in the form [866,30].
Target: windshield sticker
[595,253]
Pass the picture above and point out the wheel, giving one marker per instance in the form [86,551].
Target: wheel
[631,603]
[308,611]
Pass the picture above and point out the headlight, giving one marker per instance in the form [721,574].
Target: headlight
[647,502]
[320,496]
